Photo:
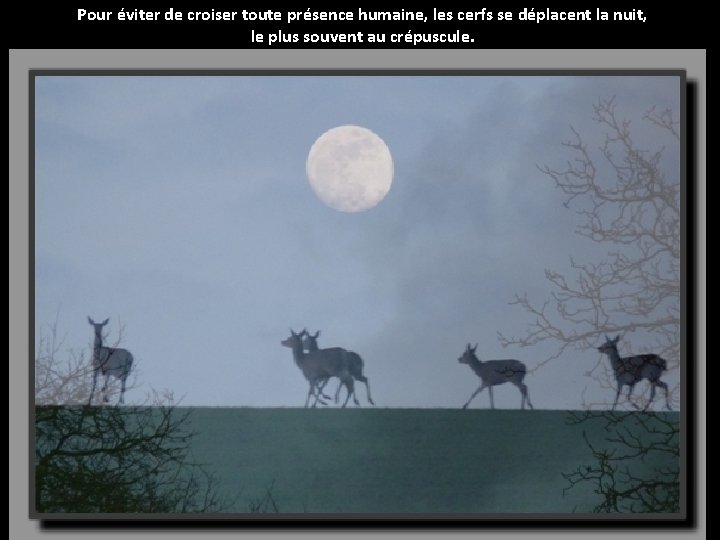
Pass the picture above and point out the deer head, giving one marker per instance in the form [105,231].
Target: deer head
[98,330]
[469,355]
[294,339]
[97,324]
[610,344]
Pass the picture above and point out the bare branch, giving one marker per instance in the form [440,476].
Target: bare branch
[619,474]
[628,198]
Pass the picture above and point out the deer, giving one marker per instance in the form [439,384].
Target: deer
[109,361]
[495,372]
[354,363]
[318,366]
[630,370]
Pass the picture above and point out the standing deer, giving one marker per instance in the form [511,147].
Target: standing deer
[354,363]
[632,369]
[494,372]
[109,361]
[317,366]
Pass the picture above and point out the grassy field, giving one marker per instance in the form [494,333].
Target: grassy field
[397,460]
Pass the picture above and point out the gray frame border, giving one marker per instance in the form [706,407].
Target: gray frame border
[622,71]
[500,517]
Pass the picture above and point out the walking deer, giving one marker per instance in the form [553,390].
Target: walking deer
[494,372]
[317,366]
[353,362]
[630,370]
[109,361]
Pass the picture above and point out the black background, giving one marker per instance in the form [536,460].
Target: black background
[57,27]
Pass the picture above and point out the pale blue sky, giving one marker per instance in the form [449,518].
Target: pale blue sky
[180,207]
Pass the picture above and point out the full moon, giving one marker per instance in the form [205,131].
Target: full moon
[350,168]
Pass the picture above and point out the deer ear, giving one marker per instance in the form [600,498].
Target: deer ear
[317,334]
[617,338]
[475,347]
[105,322]
[90,320]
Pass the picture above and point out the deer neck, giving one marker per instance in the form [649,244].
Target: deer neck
[477,366]
[614,357]
[298,354]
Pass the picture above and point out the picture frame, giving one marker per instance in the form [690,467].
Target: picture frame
[473,519]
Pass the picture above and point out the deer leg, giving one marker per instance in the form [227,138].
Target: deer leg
[475,393]
[364,379]
[318,400]
[344,378]
[122,390]
[525,396]
[337,391]
[311,392]
[522,394]
[94,383]
[629,394]
[617,396]
[104,388]
[349,383]
[664,386]
[652,395]
[318,393]
[321,386]
[343,382]
[492,400]
[350,386]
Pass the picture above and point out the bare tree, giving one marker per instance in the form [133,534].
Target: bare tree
[64,376]
[628,198]
[110,459]
[118,459]
[635,467]
[60,381]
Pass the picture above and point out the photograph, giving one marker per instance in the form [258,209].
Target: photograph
[355,295]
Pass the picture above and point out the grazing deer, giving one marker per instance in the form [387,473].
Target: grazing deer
[632,369]
[109,361]
[494,372]
[317,366]
[353,361]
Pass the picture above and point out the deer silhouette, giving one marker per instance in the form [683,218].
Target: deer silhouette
[109,361]
[494,372]
[317,366]
[630,370]
[353,363]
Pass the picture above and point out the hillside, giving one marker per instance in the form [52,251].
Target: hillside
[397,460]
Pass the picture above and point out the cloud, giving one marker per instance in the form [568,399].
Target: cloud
[181,205]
